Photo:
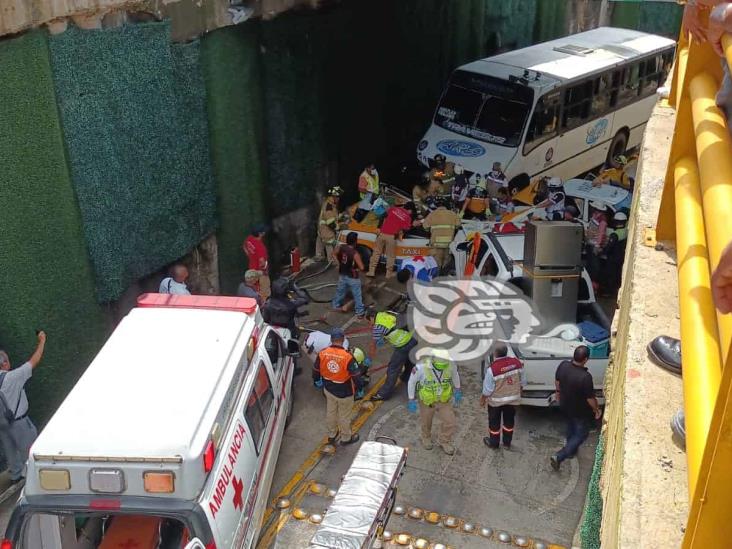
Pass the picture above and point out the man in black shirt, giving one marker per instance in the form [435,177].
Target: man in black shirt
[349,264]
[576,395]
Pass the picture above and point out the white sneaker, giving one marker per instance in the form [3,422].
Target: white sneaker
[427,443]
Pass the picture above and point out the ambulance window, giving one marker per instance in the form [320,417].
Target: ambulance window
[275,351]
[260,406]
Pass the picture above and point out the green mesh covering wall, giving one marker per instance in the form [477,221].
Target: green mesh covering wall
[236,123]
[360,82]
[656,17]
[592,518]
[134,121]
[46,278]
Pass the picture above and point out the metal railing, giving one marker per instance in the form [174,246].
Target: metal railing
[696,212]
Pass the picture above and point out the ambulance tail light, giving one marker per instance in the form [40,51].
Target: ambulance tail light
[54,479]
[107,481]
[211,545]
[7,544]
[159,482]
[209,455]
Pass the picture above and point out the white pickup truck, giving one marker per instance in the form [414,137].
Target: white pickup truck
[501,258]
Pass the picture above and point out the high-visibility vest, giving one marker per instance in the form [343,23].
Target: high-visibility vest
[395,336]
[506,373]
[435,387]
[334,363]
[621,232]
[372,183]
[441,223]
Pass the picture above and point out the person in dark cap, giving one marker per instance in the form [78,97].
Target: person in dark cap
[258,257]
[336,372]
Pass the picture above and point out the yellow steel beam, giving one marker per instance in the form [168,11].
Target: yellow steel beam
[677,87]
[709,522]
[700,347]
[714,153]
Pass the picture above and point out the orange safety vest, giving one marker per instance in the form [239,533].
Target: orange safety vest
[334,363]
[477,205]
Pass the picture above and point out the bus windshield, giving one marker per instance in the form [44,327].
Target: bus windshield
[486,108]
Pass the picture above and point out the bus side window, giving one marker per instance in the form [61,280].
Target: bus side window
[260,406]
[649,74]
[601,98]
[630,84]
[543,124]
[577,102]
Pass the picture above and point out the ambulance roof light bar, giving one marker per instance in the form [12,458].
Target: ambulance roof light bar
[245,305]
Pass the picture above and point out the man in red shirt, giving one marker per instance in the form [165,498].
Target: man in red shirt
[258,258]
[398,220]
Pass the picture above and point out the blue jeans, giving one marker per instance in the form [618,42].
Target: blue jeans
[346,284]
[577,431]
[399,365]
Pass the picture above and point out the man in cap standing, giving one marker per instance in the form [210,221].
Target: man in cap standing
[335,371]
[435,381]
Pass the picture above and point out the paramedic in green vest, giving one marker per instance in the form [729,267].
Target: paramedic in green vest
[617,238]
[392,328]
[435,383]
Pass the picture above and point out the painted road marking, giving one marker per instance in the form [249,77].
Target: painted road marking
[295,484]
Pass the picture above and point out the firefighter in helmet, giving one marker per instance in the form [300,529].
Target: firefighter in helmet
[328,224]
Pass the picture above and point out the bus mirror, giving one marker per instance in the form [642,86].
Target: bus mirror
[195,543]
[293,347]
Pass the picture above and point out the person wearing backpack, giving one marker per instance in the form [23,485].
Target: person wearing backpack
[17,431]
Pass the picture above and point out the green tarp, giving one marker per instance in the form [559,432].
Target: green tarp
[46,279]
[134,121]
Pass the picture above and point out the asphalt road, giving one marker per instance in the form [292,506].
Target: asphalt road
[514,491]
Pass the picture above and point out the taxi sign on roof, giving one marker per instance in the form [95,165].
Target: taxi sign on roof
[245,305]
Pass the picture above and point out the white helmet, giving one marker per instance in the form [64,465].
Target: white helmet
[554,183]
[440,358]
[598,205]
[458,169]
[620,216]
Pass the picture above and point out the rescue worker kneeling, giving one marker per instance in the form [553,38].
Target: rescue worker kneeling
[433,379]
[335,370]
[502,393]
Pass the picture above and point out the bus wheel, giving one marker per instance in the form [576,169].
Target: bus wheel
[518,183]
[617,147]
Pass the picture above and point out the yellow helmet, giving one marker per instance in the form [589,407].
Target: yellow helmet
[440,358]
[358,355]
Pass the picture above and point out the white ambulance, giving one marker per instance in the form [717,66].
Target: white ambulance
[171,434]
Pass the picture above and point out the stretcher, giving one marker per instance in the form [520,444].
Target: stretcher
[365,499]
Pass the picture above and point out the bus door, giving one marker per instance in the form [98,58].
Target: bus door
[541,138]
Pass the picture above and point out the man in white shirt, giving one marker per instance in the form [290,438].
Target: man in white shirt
[18,432]
[176,283]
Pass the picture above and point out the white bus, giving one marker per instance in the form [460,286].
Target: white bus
[559,108]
